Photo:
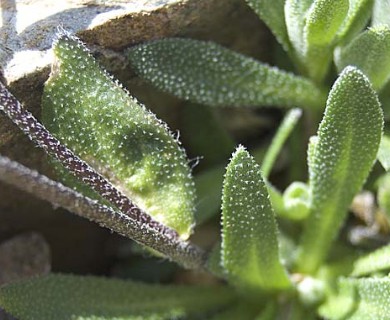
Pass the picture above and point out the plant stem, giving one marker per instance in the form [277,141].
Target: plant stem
[288,124]
[79,168]
[184,253]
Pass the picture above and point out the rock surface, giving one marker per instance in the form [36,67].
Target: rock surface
[24,256]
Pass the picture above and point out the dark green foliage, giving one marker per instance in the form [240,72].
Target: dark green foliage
[64,297]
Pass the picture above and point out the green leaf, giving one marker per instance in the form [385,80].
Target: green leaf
[381,13]
[371,299]
[250,254]
[383,195]
[359,13]
[277,201]
[269,312]
[239,310]
[384,152]
[370,52]
[378,260]
[297,200]
[295,12]
[272,14]
[384,98]
[348,141]
[64,297]
[323,20]
[214,264]
[287,249]
[297,311]
[209,190]
[313,141]
[284,130]
[91,114]
[339,305]
[207,73]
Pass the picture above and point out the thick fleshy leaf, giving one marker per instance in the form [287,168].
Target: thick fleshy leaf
[295,12]
[272,13]
[250,254]
[348,141]
[370,52]
[207,73]
[339,305]
[359,13]
[64,297]
[376,261]
[323,20]
[384,152]
[313,141]
[381,13]
[297,200]
[371,300]
[209,189]
[91,114]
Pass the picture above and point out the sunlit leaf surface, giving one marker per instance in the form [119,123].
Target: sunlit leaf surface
[250,254]
[348,142]
[91,114]
[207,73]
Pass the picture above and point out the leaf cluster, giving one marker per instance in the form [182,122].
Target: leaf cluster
[280,254]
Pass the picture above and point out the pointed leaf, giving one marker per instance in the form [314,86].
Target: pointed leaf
[371,297]
[323,20]
[207,73]
[370,52]
[63,297]
[384,152]
[378,260]
[209,189]
[91,114]
[272,13]
[250,254]
[348,141]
